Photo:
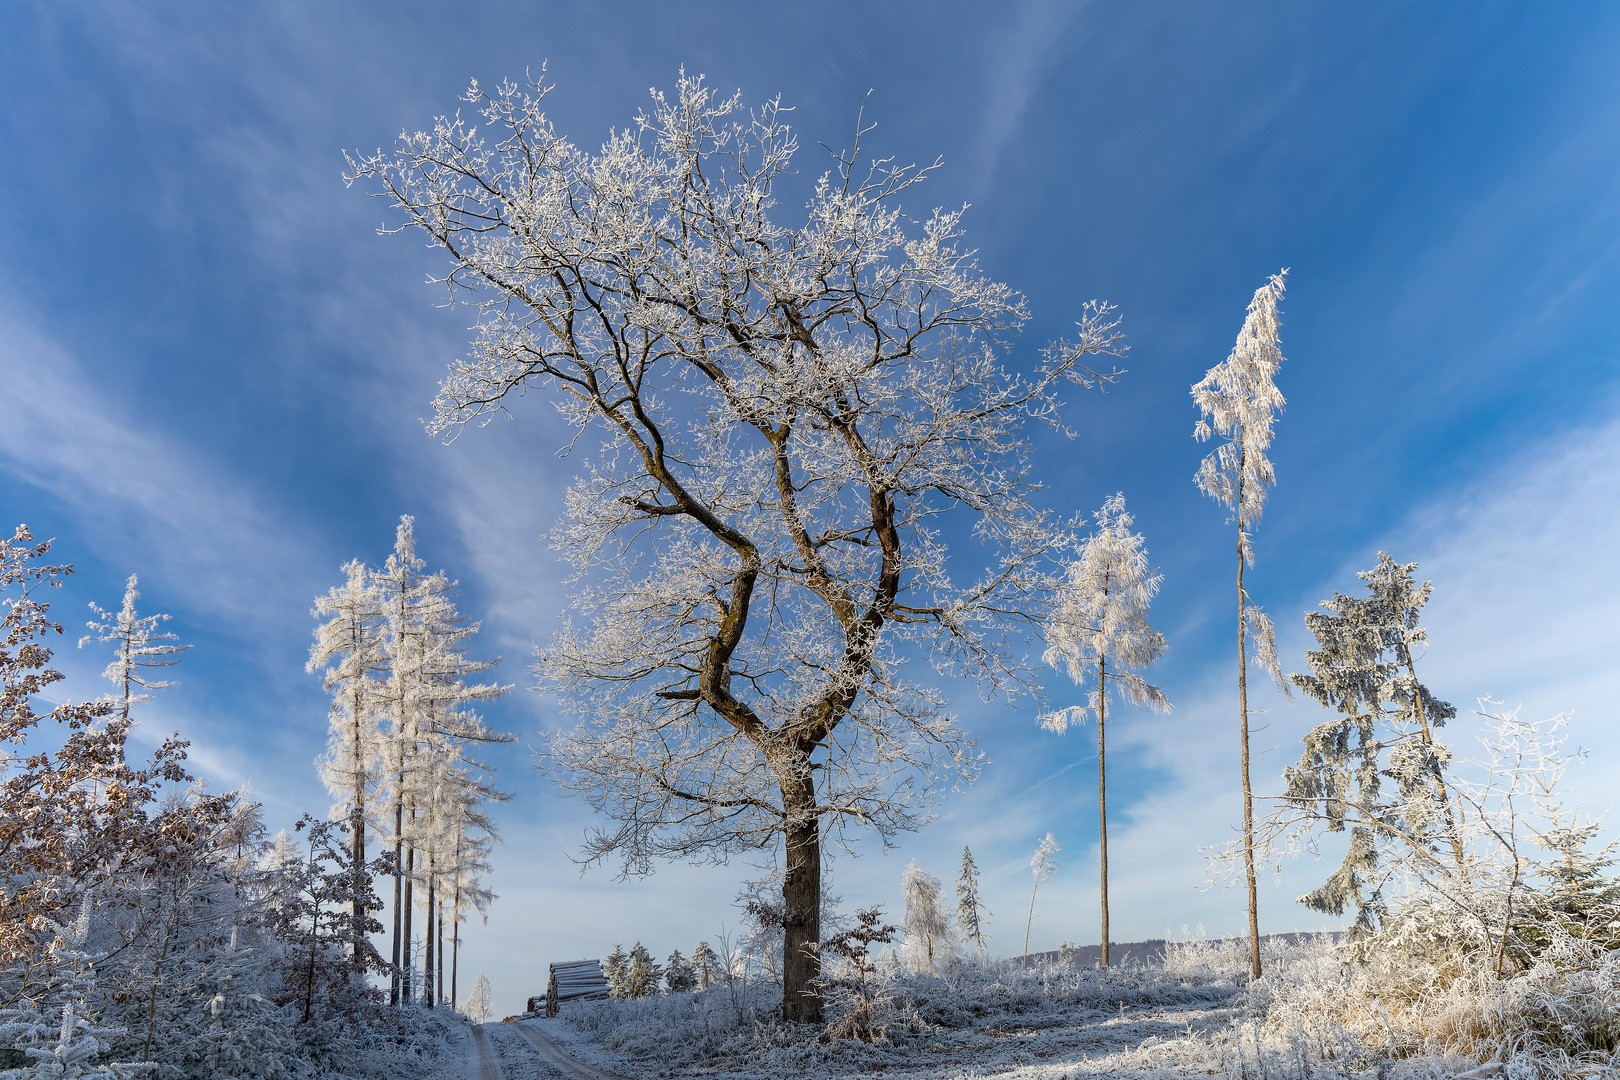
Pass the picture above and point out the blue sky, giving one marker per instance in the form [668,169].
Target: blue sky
[215,367]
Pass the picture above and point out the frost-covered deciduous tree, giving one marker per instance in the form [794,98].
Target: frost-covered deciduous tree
[1100,635]
[1238,400]
[968,904]
[928,927]
[478,1004]
[138,647]
[431,791]
[787,414]
[1364,668]
[348,650]
[1043,864]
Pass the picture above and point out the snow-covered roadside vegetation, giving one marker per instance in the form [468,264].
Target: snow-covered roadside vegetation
[1314,1014]
[150,927]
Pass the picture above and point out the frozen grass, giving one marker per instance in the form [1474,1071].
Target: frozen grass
[1315,1015]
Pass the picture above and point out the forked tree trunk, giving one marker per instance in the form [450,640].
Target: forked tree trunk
[409,986]
[801,904]
[1102,797]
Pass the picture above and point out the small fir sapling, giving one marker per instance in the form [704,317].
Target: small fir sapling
[1364,669]
[927,922]
[56,1029]
[1043,864]
[641,974]
[615,967]
[1101,636]
[968,905]
[478,1001]
[1238,401]
[706,965]
[679,978]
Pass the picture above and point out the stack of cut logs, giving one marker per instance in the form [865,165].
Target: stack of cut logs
[575,980]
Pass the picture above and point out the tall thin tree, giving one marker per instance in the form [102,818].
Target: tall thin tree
[348,646]
[1238,400]
[1042,866]
[1100,634]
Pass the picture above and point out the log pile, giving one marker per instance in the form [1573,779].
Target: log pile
[575,980]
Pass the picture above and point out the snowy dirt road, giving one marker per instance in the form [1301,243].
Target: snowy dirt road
[516,1051]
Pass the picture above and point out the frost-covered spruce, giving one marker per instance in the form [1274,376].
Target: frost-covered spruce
[679,978]
[706,965]
[640,974]
[858,387]
[1238,401]
[615,967]
[968,905]
[929,939]
[1363,668]
[1100,635]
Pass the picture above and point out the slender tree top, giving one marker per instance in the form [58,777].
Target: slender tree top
[1102,618]
[1238,401]
[139,647]
[1043,864]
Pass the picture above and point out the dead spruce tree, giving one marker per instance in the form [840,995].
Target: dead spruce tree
[1103,621]
[1238,400]
[789,413]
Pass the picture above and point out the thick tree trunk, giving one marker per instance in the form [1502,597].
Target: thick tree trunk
[1248,794]
[1102,797]
[801,904]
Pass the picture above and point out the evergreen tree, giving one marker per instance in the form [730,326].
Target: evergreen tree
[1042,866]
[968,904]
[641,974]
[1581,894]
[679,978]
[1238,400]
[616,968]
[927,922]
[706,965]
[1363,668]
[1100,633]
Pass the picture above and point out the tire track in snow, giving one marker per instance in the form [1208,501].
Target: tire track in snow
[488,1067]
[570,1065]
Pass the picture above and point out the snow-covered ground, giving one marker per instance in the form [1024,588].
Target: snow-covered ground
[1193,1014]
